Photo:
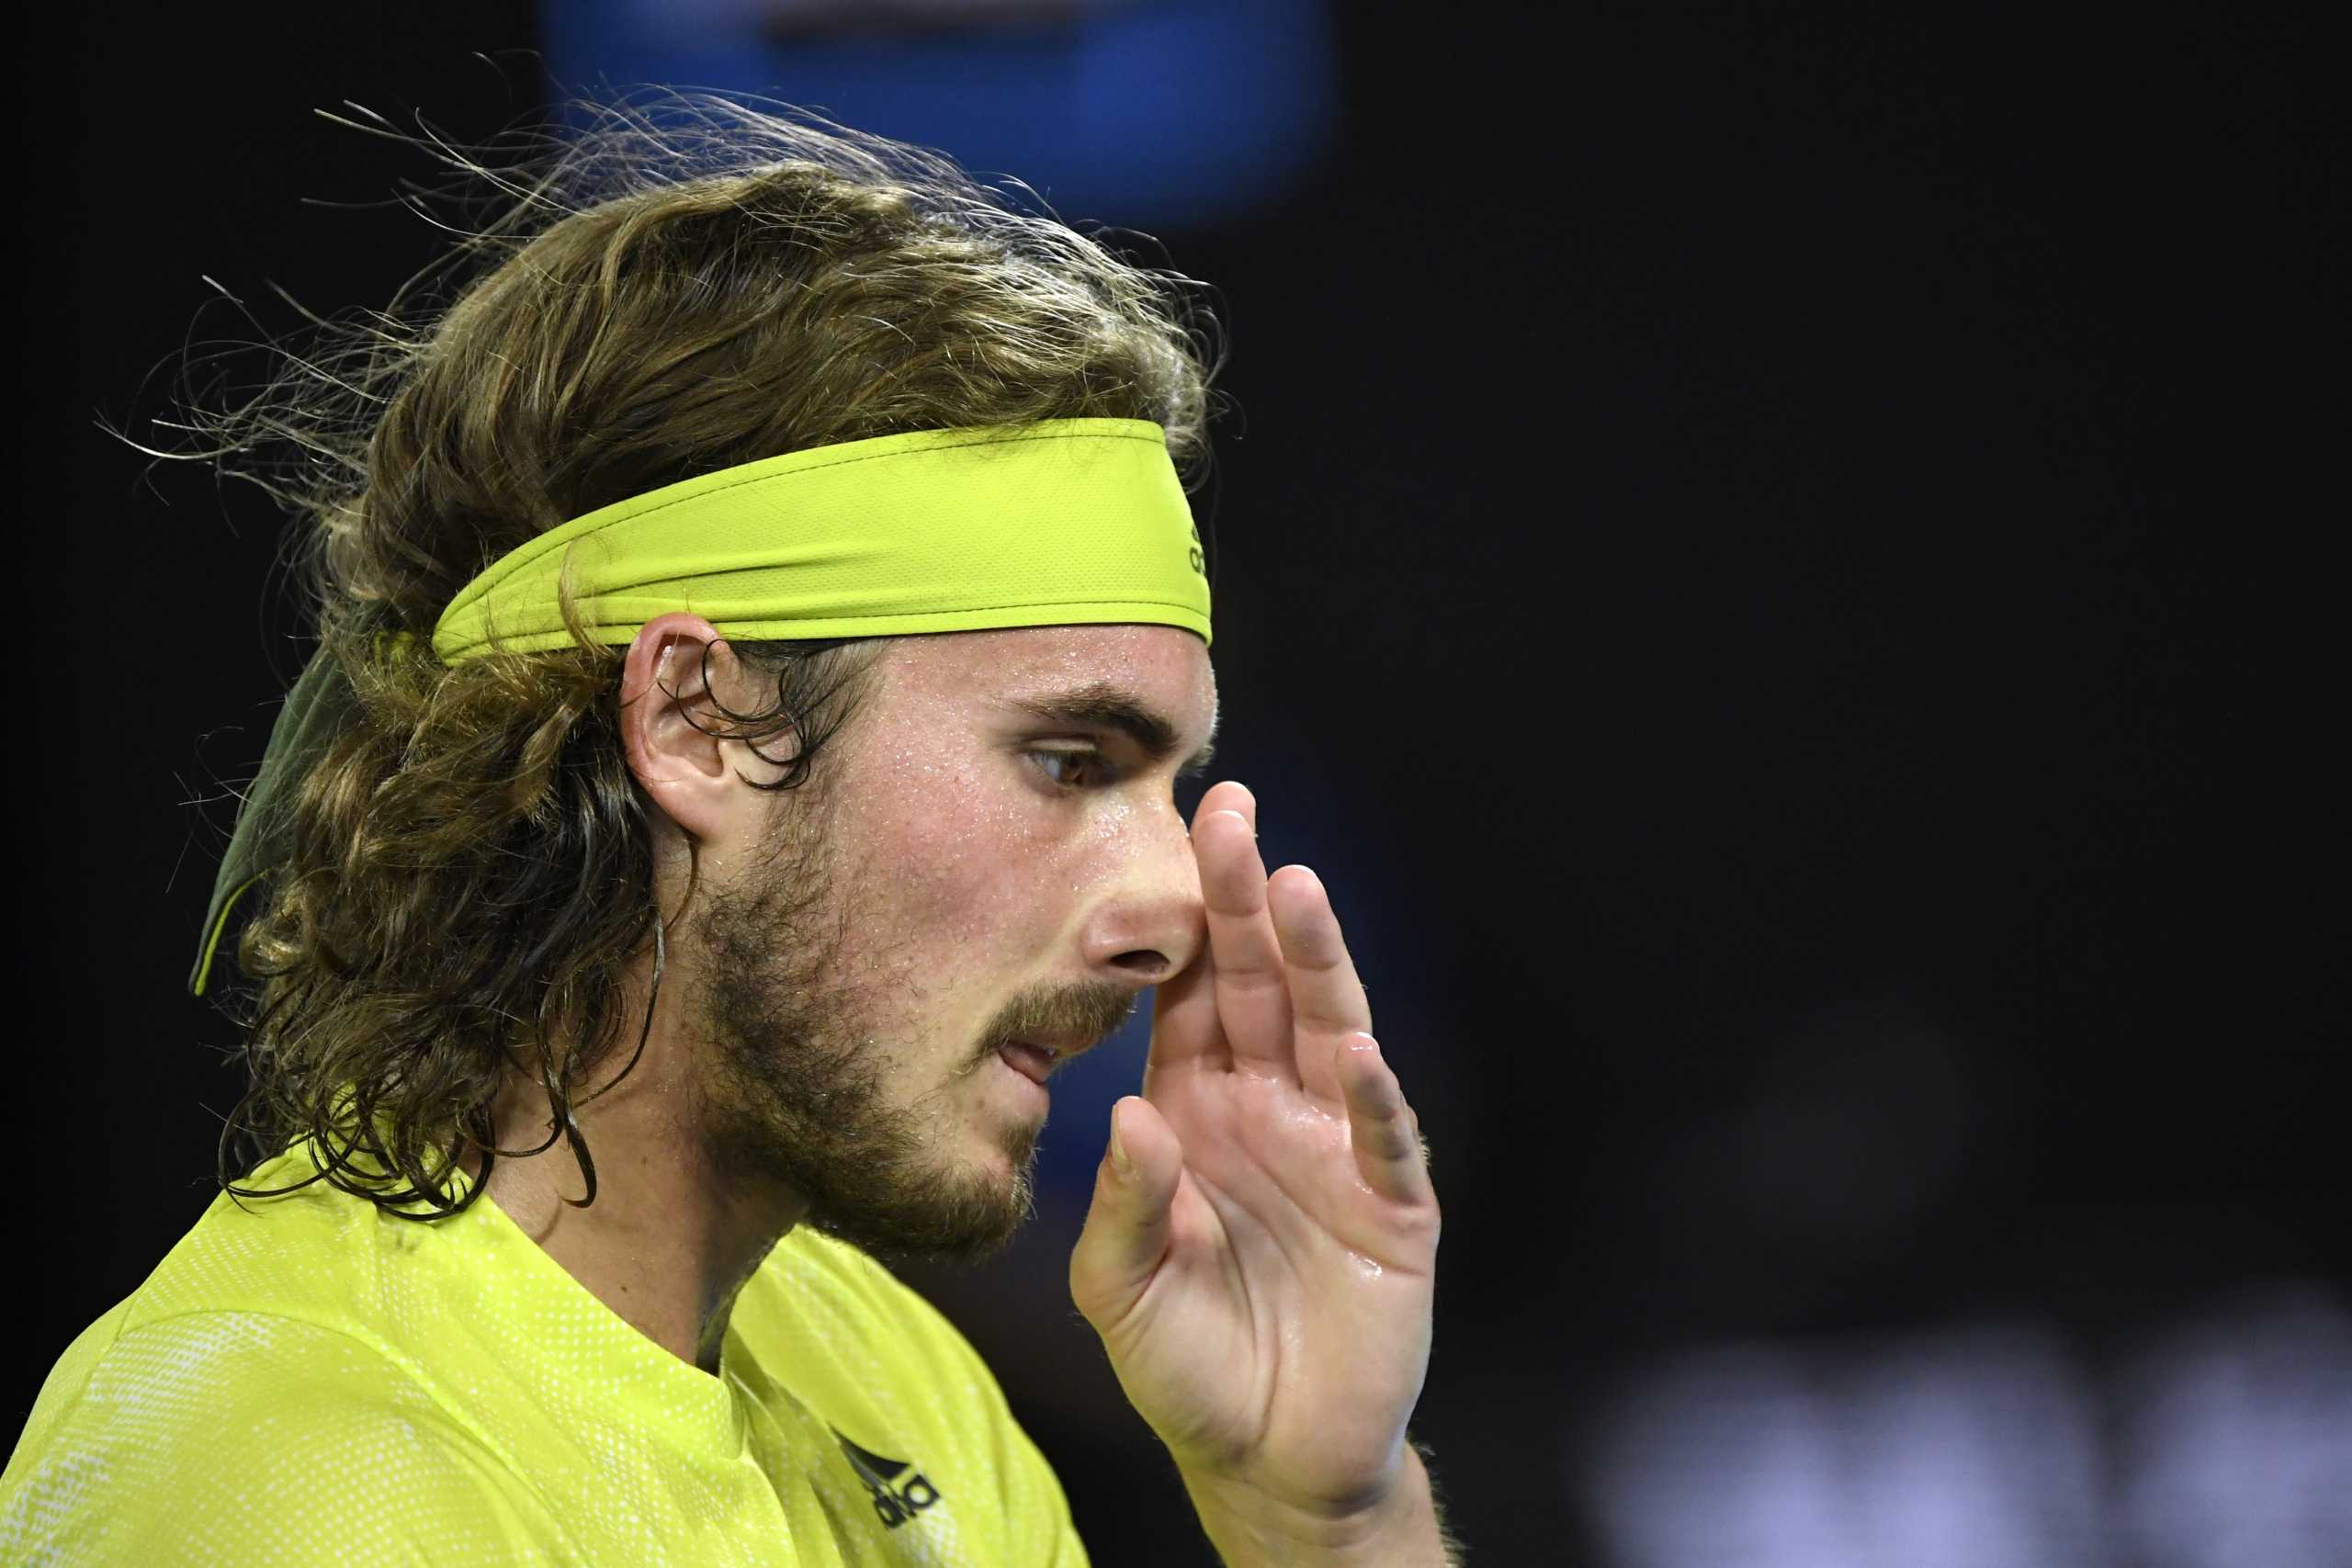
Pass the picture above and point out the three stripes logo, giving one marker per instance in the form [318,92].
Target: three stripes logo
[899,1491]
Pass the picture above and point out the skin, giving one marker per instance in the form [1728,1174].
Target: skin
[1260,1254]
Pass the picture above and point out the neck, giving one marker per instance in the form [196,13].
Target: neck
[670,1239]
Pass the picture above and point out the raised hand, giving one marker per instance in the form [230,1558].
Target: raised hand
[1260,1256]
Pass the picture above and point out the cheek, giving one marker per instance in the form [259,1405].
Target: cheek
[963,872]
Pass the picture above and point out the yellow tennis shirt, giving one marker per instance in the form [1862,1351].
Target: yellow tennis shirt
[306,1381]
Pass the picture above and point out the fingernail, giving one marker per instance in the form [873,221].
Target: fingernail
[1119,1161]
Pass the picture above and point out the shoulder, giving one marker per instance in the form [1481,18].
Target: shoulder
[844,1279]
[887,1373]
[880,1338]
[235,1436]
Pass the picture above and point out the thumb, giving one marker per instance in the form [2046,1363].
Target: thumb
[1126,1230]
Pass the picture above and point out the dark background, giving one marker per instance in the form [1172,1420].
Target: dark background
[1781,561]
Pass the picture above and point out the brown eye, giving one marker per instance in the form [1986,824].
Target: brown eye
[1071,770]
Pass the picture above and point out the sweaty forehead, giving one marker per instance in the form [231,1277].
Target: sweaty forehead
[1166,666]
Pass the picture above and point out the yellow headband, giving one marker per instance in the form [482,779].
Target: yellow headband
[1072,522]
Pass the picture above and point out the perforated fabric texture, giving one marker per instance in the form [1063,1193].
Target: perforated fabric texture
[306,1380]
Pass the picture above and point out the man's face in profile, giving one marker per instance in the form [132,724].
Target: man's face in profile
[989,872]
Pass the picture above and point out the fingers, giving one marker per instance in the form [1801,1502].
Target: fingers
[1386,1134]
[1185,1029]
[1275,987]
[1127,1225]
[1229,795]
[1327,999]
[1251,984]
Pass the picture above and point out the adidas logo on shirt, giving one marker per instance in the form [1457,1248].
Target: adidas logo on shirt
[895,1500]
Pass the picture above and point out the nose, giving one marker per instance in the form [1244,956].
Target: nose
[1151,925]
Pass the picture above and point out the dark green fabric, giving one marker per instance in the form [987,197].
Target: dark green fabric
[316,711]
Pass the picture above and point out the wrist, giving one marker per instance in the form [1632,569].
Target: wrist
[1395,1525]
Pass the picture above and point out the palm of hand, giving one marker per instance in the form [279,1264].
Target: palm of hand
[1262,1271]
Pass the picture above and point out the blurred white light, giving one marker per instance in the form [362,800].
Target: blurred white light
[2238,1438]
[1971,1449]
[1726,1458]
[1956,1450]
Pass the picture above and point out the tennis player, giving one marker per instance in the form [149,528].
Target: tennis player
[762,629]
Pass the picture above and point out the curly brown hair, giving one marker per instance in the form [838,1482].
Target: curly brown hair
[686,284]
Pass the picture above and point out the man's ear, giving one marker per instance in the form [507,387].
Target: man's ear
[665,706]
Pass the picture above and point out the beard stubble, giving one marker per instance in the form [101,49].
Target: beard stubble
[794,1085]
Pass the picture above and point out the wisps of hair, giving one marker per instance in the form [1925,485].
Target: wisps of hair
[673,284]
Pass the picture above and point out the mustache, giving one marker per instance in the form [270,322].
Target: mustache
[1089,1010]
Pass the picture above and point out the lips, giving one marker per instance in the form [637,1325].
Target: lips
[1029,1061]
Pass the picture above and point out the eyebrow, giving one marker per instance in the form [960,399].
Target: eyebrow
[1102,705]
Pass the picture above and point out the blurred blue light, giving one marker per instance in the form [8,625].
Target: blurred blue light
[1143,115]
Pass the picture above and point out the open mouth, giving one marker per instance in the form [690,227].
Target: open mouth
[1032,1062]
